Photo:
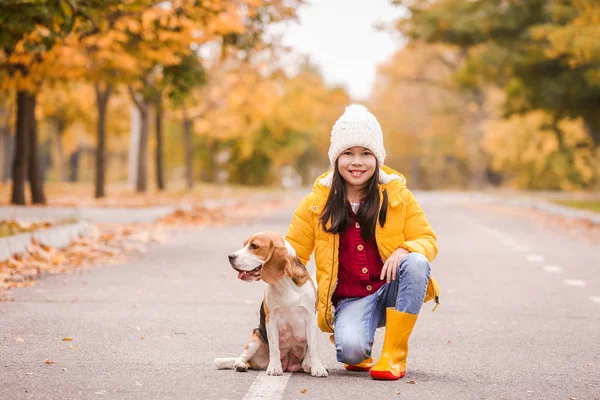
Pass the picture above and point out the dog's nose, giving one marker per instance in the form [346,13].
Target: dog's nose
[232,257]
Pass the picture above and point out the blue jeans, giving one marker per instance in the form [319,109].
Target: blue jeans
[357,318]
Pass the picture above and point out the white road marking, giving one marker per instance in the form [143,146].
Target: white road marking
[268,387]
[535,258]
[552,269]
[595,299]
[574,282]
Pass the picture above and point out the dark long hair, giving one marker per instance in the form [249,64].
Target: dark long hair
[336,206]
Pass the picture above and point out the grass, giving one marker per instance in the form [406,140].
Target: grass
[589,205]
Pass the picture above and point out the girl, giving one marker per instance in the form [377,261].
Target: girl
[372,244]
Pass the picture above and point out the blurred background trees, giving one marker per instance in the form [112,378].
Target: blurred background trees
[479,93]
[528,74]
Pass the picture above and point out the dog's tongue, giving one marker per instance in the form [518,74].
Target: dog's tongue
[241,274]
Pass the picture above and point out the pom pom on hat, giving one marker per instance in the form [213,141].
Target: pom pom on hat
[356,127]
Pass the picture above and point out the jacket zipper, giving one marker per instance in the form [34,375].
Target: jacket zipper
[436,298]
[329,288]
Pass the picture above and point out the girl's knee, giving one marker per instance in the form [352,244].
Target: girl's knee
[352,351]
[416,266]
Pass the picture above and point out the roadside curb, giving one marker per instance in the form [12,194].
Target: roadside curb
[61,236]
[111,215]
[542,206]
[94,214]
[58,236]
[567,211]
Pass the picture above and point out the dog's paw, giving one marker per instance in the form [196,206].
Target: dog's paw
[319,371]
[274,370]
[240,366]
[306,366]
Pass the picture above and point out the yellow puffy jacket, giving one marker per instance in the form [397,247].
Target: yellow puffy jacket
[406,226]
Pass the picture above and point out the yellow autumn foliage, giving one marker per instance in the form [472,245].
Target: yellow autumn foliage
[527,149]
[419,108]
[578,40]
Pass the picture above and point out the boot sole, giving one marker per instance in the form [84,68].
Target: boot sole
[357,369]
[386,375]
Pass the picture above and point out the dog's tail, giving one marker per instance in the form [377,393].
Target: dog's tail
[225,363]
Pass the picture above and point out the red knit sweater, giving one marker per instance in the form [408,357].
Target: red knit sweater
[359,264]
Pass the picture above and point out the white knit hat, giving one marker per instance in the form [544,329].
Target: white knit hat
[356,127]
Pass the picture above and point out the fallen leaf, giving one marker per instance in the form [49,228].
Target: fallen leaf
[304,391]
[449,341]
[412,382]
[67,339]
[397,392]
[58,259]
[48,361]
[141,337]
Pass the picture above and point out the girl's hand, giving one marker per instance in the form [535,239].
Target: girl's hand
[391,264]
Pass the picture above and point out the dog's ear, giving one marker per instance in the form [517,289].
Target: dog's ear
[247,240]
[297,271]
[275,265]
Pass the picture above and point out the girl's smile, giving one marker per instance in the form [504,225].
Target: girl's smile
[357,165]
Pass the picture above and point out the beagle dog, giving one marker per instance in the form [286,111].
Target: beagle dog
[286,338]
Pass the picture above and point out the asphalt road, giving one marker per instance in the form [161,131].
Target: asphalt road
[519,319]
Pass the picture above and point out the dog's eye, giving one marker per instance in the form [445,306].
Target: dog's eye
[253,246]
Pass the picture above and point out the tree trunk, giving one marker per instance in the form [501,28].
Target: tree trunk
[74,165]
[142,160]
[188,151]
[21,152]
[5,113]
[211,165]
[474,139]
[592,125]
[3,152]
[102,97]
[134,139]
[415,172]
[159,144]
[34,171]
[142,155]
[57,128]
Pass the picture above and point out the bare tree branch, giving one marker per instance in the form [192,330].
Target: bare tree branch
[134,98]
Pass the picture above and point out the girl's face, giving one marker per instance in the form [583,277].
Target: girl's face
[357,165]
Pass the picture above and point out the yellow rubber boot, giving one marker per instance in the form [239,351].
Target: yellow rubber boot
[392,364]
[362,367]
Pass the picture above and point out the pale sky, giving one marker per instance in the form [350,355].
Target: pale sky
[340,37]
